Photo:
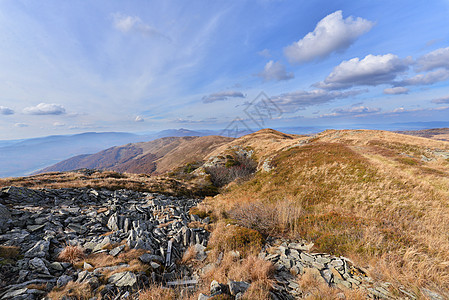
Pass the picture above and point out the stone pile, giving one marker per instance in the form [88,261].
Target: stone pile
[293,259]
[42,222]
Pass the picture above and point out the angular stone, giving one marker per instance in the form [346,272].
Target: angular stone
[33,228]
[203,297]
[15,293]
[307,258]
[40,249]
[56,266]
[123,279]
[113,222]
[236,287]
[63,280]
[38,265]
[114,252]
[147,258]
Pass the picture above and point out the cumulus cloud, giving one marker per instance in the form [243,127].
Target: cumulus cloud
[443,100]
[6,110]
[222,96]
[372,70]
[291,102]
[358,111]
[433,60]
[45,109]
[21,125]
[332,33]
[139,119]
[58,124]
[127,24]
[275,71]
[396,90]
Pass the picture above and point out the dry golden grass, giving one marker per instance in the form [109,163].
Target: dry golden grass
[158,293]
[226,238]
[42,286]
[114,181]
[71,254]
[72,290]
[355,195]
[251,269]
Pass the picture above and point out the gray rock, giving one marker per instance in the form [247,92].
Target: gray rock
[40,249]
[63,280]
[123,279]
[15,293]
[203,297]
[38,265]
[5,218]
[147,258]
[236,287]
[114,252]
[56,266]
[113,222]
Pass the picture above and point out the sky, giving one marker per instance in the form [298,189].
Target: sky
[68,67]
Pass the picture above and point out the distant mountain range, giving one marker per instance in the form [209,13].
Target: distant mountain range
[152,157]
[23,157]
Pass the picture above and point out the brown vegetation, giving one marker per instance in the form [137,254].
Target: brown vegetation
[9,252]
[71,254]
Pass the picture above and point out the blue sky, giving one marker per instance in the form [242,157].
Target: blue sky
[75,66]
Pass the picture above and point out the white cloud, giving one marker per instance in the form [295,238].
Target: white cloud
[222,96]
[6,110]
[428,78]
[58,124]
[21,125]
[139,119]
[332,33]
[45,109]
[275,71]
[396,90]
[291,102]
[442,100]
[372,70]
[433,60]
[358,111]
[127,24]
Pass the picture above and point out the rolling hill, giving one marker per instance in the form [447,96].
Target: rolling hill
[154,157]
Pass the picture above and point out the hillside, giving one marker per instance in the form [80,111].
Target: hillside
[156,156]
[434,133]
[376,198]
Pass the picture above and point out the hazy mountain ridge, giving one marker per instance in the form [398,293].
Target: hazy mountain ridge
[156,156]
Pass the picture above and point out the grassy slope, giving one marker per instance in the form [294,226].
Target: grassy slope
[363,194]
